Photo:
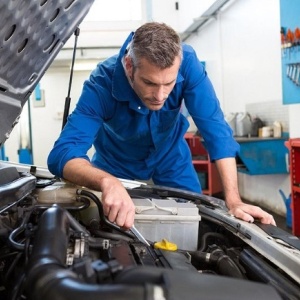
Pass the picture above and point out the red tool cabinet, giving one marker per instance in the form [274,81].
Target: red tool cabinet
[203,165]
[294,147]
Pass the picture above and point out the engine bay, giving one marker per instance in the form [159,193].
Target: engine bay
[61,246]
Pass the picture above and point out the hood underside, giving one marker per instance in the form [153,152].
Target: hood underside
[31,35]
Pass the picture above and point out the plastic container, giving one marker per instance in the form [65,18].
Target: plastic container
[277,129]
[256,124]
[60,192]
[287,201]
[168,219]
[231,120]
[243,124]
[267,131]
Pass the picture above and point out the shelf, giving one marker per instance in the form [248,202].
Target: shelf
[294,147]
[207,171]
[201,162]
[296,188]
[295,142]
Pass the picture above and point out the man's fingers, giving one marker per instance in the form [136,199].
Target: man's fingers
[112,213]
[128,223]
[260,214]
[249,213]
[125,218]
[121,213]
[240,214]
[268,219]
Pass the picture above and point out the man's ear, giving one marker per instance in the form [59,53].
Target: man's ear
[128,65]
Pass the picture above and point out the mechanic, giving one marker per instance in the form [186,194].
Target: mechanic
[130,110]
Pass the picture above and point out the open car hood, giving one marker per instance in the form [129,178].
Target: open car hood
[31,35]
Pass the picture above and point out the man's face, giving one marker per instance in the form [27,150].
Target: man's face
[152,84]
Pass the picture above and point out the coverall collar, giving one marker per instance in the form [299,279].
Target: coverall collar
[121,88]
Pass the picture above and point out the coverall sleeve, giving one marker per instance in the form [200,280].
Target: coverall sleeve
[204,107]
[83,124]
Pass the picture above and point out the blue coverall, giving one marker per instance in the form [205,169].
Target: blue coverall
[132,142]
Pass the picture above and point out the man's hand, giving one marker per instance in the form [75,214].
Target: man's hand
[228,173]
[117,204]
[249,212]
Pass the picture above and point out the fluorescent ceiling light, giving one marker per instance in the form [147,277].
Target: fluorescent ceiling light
[85,66]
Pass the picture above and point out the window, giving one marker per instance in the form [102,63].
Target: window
[115,10]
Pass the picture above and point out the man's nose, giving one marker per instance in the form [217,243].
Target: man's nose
[159,93]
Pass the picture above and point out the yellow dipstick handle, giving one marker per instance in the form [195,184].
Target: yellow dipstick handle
[165,245]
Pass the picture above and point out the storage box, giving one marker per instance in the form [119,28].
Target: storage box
[159,219]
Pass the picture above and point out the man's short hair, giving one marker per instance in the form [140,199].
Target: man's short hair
[158,43]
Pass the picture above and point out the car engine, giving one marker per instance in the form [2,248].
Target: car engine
[62,247]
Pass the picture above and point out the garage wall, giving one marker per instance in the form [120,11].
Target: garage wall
[46,121]
[242,51]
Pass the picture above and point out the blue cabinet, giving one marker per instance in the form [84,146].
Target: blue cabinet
[260,156]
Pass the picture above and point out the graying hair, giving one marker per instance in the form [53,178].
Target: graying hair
[158,43]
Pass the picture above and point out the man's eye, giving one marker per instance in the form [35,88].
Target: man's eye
[150,83]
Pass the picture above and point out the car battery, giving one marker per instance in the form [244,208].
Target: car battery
[159,219]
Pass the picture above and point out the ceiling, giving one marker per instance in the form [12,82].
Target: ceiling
[98,40]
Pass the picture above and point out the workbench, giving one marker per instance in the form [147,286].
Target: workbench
[258,156]
[261,156]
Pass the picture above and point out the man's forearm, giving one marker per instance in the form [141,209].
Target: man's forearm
[81,172]
[228,174]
